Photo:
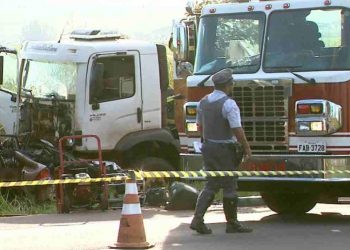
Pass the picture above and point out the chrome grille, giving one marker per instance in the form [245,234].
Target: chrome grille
[264,112]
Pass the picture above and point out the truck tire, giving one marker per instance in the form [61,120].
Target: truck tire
[289,203]
[153,164]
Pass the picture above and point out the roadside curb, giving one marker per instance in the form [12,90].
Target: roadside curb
[250,201]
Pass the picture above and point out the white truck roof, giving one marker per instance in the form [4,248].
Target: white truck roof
[79,51]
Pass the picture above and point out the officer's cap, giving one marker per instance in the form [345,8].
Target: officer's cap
[223,77]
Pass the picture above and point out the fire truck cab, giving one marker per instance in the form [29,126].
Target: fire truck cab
[291,64]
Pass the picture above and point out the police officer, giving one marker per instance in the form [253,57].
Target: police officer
[218,119]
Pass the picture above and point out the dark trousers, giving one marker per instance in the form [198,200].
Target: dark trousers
[216,157]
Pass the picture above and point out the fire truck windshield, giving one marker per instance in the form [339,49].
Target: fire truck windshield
[308,40]
[47,79]
[233,40]
[296,40]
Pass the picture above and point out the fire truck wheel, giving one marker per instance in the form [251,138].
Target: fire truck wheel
[153,164]
[289,203]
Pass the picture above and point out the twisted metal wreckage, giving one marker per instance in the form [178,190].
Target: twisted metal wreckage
[27,159]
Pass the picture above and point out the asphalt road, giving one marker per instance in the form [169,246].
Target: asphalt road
[325,227]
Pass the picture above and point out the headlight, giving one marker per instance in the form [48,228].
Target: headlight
[303,126]
[191,127]
[316,126]
[190,111]
[310,126]
[317,117]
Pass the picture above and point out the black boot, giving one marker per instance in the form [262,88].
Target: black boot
[203,202]
[230,210]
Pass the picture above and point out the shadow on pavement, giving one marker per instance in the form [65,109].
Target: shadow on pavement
[271,232]
[84,216]
[323,218]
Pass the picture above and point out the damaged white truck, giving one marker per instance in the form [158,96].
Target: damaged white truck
[95,83]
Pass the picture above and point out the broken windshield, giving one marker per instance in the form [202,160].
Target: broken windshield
[48,79]
[313,40]
[233,40]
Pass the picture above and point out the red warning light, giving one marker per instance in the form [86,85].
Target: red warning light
[268,6]
[286,5]
[327,2]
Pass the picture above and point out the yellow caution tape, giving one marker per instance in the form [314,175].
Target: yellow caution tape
[197,174]
[140,175]
[63,181]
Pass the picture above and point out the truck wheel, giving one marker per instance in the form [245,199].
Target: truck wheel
[289,203]
[153,164]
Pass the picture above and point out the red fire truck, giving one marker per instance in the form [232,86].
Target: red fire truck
[291,63]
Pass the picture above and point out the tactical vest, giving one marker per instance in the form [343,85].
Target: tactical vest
[215,126]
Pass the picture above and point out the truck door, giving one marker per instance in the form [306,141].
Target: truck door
[115,101]
[8,90]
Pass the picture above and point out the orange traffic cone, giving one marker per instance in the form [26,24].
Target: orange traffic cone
[131,229]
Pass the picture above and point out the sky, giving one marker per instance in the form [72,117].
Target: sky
[47,19]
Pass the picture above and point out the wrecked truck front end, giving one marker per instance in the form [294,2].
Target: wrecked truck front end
[48,90]
[47,100]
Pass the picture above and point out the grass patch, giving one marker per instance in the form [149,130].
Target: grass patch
[23,204]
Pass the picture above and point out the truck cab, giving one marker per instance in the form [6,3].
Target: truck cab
[102,84]
[291,64]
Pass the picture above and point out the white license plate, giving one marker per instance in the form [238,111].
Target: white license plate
[317,147]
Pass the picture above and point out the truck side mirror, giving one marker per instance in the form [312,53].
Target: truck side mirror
[183,40]
[96,83]
[178,42]
[1,70]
